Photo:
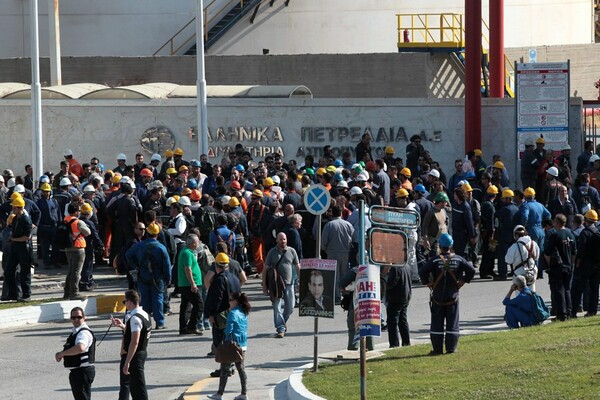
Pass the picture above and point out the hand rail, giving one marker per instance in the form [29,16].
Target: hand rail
[171,41]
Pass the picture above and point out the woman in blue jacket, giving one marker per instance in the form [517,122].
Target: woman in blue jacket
[236,330]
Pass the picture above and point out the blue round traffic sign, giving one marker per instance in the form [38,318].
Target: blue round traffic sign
[317,199]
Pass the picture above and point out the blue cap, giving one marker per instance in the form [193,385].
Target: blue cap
[192,183]
[420,188]
[195,163]
[446,240]
[240,168]
[470,174]
[338,163]
[338,177]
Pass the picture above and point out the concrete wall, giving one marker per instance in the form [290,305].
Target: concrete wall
[140,27]
[104,128]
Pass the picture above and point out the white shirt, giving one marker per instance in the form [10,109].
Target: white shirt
[136,323]
[517,253]
[85,338]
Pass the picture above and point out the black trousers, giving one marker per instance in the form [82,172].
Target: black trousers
[187,298]
[81,382]
[560,291]
[448,316]
[398,322]
[135,382]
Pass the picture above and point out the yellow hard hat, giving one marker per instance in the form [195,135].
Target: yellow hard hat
[233,202]
[18,202]
[176,197]
[331,168]
[171,171]
[540,140]
[169,153]
[15,195]
[478,152]
[186,192]
[529,192]
[492,189]
[45,187]
[507,193]
[268,181]
[153,229]
[467,187]
[591,215]
[116,178]
[406,172]
[257,193]
[402,193]
[178,151]
[86,208]
[183,168]
[222,258]
[499,165]
[321,171]
[389,150]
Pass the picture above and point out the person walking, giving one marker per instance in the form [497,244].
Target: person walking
[76,253]
[190,282]
[236,330]
[398,294]
[79,355]
[445,275]
[136,332]
[336,241]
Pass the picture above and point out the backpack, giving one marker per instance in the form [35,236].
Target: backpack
[64,235]
[586,201]
[526,268]
[539,310]
[206,222]
[228,242]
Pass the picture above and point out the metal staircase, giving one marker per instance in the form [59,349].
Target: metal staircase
[219,17]
[446,33]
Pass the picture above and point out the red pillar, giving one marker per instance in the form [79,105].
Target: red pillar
[496,48]
[473,74]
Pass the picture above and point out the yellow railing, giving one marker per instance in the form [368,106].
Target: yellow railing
[433,30]
[444,31]
[175,44]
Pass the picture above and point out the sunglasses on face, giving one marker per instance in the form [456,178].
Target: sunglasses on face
[74,317]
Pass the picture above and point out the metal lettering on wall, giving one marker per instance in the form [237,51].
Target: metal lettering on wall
[265,140]
[157,139]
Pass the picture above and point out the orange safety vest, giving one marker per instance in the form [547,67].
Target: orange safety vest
[78,239]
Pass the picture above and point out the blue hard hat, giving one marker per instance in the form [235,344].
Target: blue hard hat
[470,175]
[192,183]
[240,168]
[338,177]
[446,240]
[420,188]
[195,163]
[338,163]
[44,179]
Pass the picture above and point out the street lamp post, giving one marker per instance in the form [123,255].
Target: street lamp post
[36,94]
[201,81]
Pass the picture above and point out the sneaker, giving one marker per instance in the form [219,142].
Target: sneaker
[241,397]
[280,335]
[215,396]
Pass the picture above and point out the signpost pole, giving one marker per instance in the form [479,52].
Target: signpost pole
[316,335]
[362,261]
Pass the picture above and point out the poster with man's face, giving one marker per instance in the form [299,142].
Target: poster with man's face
[317,288]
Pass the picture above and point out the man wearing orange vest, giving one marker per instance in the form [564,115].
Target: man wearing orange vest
[76,253]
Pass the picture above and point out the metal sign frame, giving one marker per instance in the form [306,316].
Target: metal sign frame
[392,231]
[389,212]
[309,192]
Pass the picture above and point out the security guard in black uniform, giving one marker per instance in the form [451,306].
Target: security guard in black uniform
[445,274]
[79,354]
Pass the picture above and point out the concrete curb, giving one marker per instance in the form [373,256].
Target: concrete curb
[59,310]
[296,389]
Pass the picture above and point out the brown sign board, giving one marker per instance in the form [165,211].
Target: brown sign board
[387,247]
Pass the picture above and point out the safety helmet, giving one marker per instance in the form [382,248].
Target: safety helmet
[45,187]
[171,171]
[168,153]
[240,168]
[389,150]
[116,178]
[420,188]
[552,171]
[499,165]
[18,202]
[186,191]
[492,189]
[519,231]
[478,152]
[65,182]
[222,259]
[441,196]
[19,188]
[257,193]
[402,193]
[355,190]
[183,168]
[235,185]
[321,171]
[146,172]
[592,216]
[406,172]
[68,152]
[192,183]
[178,151]
[156,157]
[331,168]
[86,208]
[467,187]
[594,157]
[233,202]
[529,192]
[185,201]
[506,193]
[121,156]
[153,229]
[540,140]
[435,173]
[44,179]
[446,241]
[268,181]
[89,189]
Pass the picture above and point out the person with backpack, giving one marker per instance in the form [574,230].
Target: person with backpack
[75,252]
[587,266]
[519,310]
[586,197]
[222,233]
[522,256]
[206,218]
[445,275]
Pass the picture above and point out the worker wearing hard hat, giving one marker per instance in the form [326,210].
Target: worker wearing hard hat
[586,266]
[50,217]
[505,224]
[121,164]
[74,165]
[19,254]
[531,215]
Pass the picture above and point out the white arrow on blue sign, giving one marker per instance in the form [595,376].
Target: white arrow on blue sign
[317,199]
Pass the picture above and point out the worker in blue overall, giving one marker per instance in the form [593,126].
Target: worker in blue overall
[445,274]
[531,215]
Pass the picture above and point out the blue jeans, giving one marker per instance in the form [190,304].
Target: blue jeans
[283,308]
[152,296]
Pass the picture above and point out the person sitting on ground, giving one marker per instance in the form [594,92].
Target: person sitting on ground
[519,310]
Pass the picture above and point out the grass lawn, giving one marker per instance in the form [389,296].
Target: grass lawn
[9,305]
[554,361]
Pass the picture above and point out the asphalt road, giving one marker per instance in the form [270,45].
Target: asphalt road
[175,362]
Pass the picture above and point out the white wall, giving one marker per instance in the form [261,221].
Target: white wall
[140,27]
[105,128]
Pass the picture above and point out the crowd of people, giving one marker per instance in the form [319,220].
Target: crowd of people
[204,229]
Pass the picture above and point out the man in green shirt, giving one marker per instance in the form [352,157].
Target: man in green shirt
[189,282]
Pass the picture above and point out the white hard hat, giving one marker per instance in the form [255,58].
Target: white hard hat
[19,189]
[89,189]
[566,147]
[125,179]
[68,152]
[11,183]
[342,184]
[355,190]
[225,199]
[185,201]
[276,179]
[43,179]
[552,171]
[170,201]
[156,157]
[121,156]
[1,178]
[594,157]
[65,182]
[434,172]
